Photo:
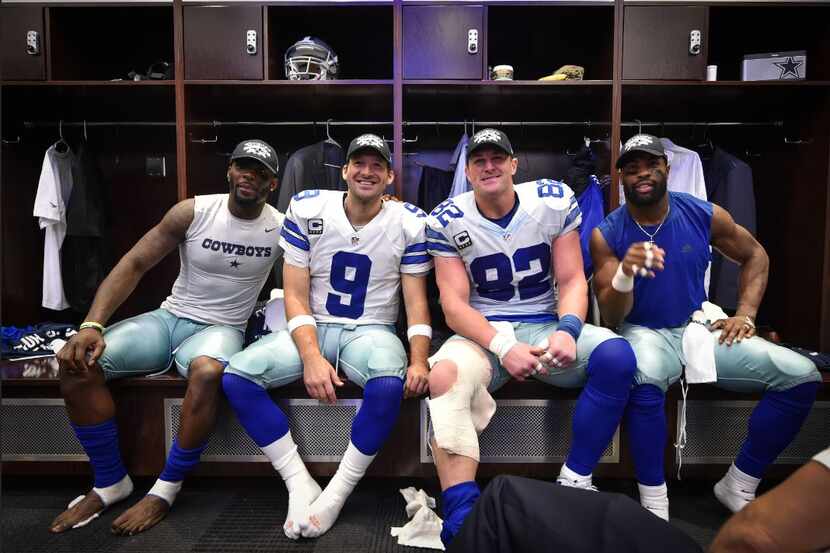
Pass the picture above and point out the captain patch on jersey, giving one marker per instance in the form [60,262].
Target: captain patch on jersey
[355,273]
[509,267]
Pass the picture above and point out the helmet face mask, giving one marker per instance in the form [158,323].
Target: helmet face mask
[310,59]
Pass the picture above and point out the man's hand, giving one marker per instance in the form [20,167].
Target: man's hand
[562,350]
[72,358]
[417,380]
[643,258]
[320,378]
[735,329]
[521,361]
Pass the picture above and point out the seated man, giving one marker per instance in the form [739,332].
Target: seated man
[650,256]
[347,256]
[499,251]
[227,246]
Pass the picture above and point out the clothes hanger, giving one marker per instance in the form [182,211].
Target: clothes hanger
[61,146]
[329,139]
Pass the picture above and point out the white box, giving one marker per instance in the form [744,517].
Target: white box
[775,66]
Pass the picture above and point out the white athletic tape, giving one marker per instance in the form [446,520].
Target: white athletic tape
[109,495]
[465,410]
[419,330]
[82,523]
[301,320]
[622,282]
[166,490]
[501,344]
[649,258]
[642,272]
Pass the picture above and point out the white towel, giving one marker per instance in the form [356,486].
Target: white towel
[424,528]
[699,351]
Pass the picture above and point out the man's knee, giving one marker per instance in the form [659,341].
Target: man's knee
[205,374]
[614,362]
[441,377]
[76,383]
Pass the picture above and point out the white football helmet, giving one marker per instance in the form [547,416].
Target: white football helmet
[310,59]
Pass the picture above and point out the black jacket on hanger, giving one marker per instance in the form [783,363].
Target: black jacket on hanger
[313,167]
[728,184]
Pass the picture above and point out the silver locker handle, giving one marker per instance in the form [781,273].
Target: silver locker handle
[250,42]
[32,43]
[472,41]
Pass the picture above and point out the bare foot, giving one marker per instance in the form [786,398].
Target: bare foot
[140,517]
[79,512]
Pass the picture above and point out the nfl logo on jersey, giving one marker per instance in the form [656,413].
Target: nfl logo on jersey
[315,226]
[463,240]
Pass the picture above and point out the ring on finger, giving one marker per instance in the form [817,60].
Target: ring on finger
[635,269]
[649,258]
[647,246]
[643,272]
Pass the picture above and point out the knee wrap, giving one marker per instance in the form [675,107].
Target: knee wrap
[460,414]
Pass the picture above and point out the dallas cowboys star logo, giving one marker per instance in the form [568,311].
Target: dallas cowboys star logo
[370,140]
[487,135]
[789,68]
[257,149]
[235,264]
[637,140]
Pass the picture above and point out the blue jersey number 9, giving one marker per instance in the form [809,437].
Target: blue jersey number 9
[355,286]
[499,286]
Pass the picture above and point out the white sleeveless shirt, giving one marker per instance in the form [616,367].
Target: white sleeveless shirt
[225,261]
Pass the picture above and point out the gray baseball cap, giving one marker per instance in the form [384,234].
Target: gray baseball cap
[258,150]
[647,143]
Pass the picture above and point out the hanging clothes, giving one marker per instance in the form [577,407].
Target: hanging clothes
[86,255]
[317,166]
[686,173]
[434,188]
[593,212]
[728,184]
[53,192]
[460,184]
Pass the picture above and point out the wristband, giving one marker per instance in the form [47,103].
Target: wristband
[301,320]
[571,324]
[621,281]
[501,344]
[92,324]
[419,330]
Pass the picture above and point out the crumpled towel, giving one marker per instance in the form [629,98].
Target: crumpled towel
[424,528]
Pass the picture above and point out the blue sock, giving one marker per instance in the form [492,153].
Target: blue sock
[180,462]
[456,503]
[645,421]
[774,423]
[100,441]
[600,407]
[378,413]
[264,422]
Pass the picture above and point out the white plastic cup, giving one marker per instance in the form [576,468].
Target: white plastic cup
[711,72]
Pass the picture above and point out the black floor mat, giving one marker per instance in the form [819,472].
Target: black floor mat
[245,515]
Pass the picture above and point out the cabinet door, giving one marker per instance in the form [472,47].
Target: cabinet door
[16,62]
[656,42]
[435,42]
[215,42]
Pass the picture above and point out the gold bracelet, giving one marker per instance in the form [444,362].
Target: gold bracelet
[92,324]
[748,321]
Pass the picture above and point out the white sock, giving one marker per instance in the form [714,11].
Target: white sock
[324,511]
[569,477]
[302,489]
[166,490]
[736,489]
[655,499]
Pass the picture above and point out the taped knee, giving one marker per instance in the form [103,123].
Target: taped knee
[461,413]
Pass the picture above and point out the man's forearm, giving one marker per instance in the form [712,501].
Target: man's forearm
[614,306]
[468,322]
[753,283]
[573,298]
[114,290]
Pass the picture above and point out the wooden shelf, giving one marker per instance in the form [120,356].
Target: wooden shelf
[287,83]
[718,84]
[88,83]
[505,83]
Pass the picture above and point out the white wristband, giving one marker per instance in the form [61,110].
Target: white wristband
[501,344]
[621,281]
[300,320]
[419,330]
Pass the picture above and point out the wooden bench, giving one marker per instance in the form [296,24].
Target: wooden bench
[31,391]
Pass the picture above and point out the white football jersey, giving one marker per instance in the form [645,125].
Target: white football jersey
[509,268]
[355,274]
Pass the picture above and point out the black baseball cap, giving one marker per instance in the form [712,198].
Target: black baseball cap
[258,150]
[489,137]
[370,142]
[647,143]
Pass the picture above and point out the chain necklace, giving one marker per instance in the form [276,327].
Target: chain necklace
[651,235]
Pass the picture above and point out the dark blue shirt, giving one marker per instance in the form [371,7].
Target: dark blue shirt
[669,299]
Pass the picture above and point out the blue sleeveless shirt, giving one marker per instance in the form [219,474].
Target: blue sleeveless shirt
[669,299]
